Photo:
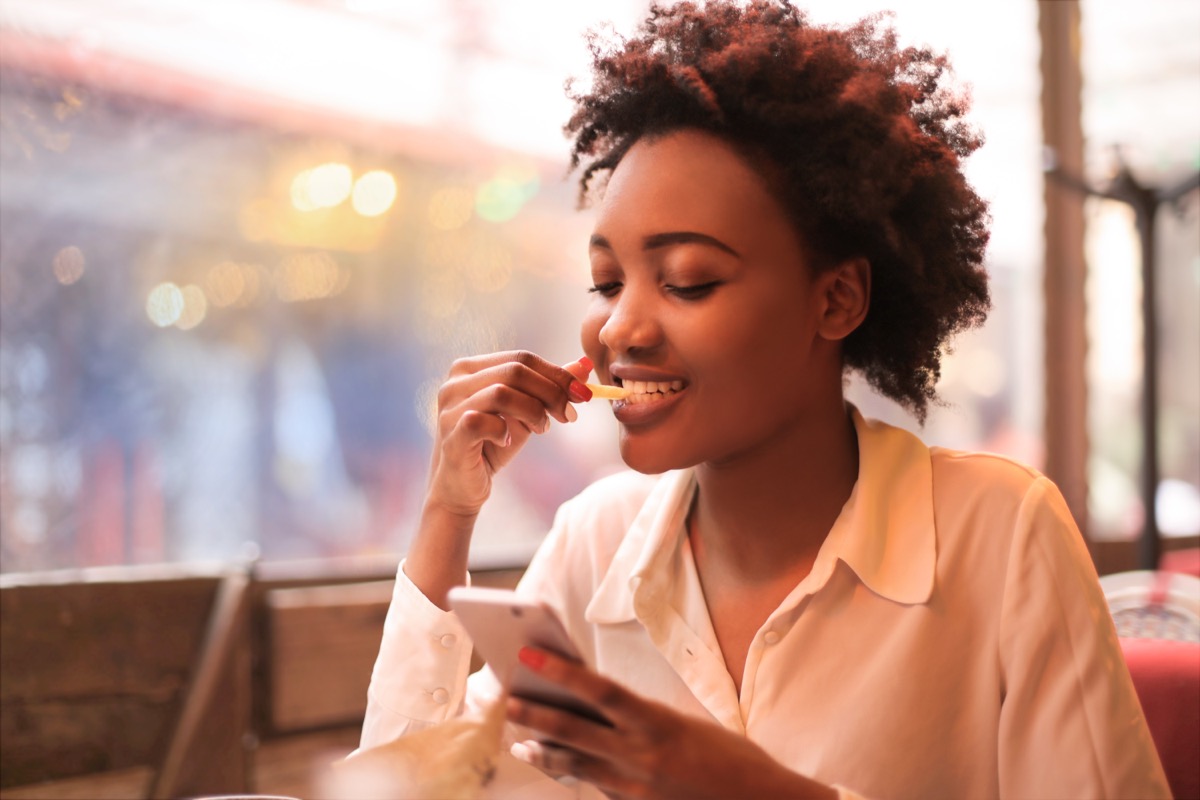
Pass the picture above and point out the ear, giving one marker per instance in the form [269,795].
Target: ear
[846,296]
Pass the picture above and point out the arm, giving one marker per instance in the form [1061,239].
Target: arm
[420,674]
[1070,721]
[487,409]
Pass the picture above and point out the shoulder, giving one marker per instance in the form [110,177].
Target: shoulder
[983,463]
[961,476]
[1008,504]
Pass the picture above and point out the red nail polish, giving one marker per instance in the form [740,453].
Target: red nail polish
[534,659]
[587,362]
[579,392]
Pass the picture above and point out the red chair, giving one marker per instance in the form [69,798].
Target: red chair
[1186,561]
[1157,615]
[1166,675]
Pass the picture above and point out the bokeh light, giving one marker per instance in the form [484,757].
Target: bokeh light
[330,184]
[501,198]
[252,281]
[301,198]
[225,283]
[69,265]
[232,284]
[308,276]
[321,187]
[451,208]
[374,193]
[164,305]
[195,307]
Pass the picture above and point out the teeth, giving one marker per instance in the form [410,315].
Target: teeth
[643,391]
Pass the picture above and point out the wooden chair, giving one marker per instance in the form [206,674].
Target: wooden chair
[132,674]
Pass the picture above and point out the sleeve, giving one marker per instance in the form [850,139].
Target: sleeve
[1070,721]
[420,674]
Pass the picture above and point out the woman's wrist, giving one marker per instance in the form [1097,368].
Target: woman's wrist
[437,559]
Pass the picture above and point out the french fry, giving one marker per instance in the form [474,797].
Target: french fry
[602,391]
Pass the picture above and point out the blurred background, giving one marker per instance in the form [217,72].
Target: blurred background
[241,242]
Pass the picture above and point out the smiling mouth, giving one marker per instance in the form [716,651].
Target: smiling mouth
[649,391]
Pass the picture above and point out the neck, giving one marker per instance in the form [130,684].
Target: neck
[764,512]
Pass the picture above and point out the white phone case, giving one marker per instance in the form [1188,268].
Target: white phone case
[501,622]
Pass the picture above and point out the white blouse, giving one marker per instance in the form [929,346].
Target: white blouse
[951,640]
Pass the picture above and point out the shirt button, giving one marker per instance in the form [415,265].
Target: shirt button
[441,696]
[771,637]
[448,640]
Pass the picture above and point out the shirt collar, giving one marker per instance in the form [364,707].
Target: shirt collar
[885,532]
[640,574]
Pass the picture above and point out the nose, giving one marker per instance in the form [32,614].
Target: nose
[632,323]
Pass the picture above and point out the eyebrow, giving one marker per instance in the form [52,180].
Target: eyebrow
[657,240]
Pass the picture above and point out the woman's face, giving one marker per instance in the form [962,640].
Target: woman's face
[705,302]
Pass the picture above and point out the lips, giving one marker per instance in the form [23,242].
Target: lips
[653,395]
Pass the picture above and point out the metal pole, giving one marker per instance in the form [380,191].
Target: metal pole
[1150,545]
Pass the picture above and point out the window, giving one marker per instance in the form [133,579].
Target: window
[1142,73]
[240,248]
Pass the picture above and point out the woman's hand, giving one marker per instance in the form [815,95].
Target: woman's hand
[487,409]
[651,750]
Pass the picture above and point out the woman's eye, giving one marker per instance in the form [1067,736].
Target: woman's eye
[696,292]
[606,289]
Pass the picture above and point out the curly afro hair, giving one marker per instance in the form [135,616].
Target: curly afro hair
[859,140]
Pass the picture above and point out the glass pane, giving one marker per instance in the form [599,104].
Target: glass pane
[235,266]
[1142,75]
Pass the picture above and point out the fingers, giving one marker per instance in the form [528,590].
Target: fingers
[563,727]
[546,757]
[501,402]
[486,411]
[609,698]
[580,369]
[563,761]
[533,389]
[624,711]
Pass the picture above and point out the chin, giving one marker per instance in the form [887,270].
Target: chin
[651,458]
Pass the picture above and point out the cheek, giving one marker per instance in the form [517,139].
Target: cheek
[760,354]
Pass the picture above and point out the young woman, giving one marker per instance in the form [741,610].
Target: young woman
[781,598]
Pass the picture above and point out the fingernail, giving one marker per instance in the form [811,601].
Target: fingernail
[579,392]
[570,413]
[534,659]
[587,362]
[522,752]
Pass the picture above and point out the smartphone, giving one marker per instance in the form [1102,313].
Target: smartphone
[501,622]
